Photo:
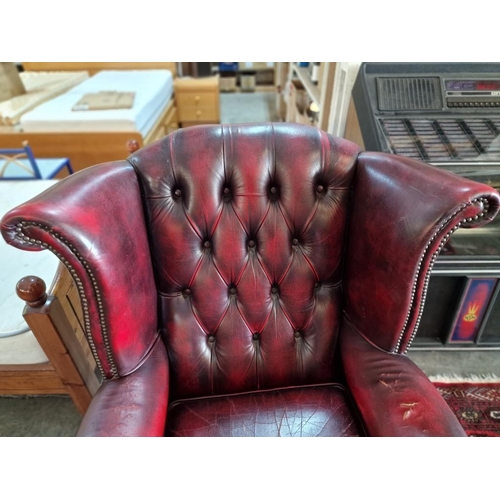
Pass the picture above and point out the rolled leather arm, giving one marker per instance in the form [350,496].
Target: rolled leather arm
[135,405]
[93,221]
[394,397]
[402,214]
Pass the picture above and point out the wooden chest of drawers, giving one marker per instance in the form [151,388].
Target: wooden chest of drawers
[197,100]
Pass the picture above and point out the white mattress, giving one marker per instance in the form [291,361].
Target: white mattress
[153,90]
[14,265]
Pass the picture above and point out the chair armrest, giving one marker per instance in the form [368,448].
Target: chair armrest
[393,396]
[402,214]
[134,405]
[93,221]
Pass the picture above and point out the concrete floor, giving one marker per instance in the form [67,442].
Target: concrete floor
[248,107]
[465,364]
[57,416]
[38,416]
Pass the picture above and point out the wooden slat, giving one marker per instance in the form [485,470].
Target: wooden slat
[49,324]
[72,332]
[30,379]
[328,81]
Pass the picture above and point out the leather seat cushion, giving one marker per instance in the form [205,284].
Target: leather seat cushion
[306,411]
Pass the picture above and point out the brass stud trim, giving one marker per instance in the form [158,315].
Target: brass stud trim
[445,238]
[83,298]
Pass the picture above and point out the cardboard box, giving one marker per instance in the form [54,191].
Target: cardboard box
[242,66]
[105,100]
[11,84]
[247,82]
[227,83]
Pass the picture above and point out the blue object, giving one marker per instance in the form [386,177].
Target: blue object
[228,66]
[303,64]
[20,164]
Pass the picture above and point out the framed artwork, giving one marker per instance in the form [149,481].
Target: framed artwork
[472,310]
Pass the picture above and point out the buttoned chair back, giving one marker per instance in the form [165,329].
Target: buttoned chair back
[247,231]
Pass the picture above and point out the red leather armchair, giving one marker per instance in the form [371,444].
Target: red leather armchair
[256,280]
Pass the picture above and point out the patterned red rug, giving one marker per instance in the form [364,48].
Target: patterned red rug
[476,405]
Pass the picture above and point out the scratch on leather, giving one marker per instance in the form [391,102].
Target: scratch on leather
[410,407]
[385,383]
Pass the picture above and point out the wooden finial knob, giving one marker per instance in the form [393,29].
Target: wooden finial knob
[31,289]
[132,145]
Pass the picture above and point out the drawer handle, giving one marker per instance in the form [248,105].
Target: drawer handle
[197,98]
[198,113]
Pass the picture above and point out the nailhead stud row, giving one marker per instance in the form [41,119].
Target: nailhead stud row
[79,285]
[446,237]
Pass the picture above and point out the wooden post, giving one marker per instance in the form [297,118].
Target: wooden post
[46,319]
[132,146]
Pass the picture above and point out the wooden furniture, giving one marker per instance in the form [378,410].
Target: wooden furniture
[56,321]
[345,76]
[320,94]
[281,71]
[331,95]
[197,100]
[89,148]
[263,72]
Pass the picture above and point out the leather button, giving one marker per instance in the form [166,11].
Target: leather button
[320,189]
[295,242]
[251,244]
[255,336]
[178,193]
[211,338]
[273,190]
[187,291]
[232,290]
[274,289]
[207,244]
[226,191]
[297,334]
[317,285]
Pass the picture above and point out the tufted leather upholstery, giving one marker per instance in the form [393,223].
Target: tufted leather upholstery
[257,240]
[220,266]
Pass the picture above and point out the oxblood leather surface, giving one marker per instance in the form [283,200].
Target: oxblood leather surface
[259,337]
[98,211]
[294,412]
[237,235]
[398,205]
[394,397]
[135,405]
